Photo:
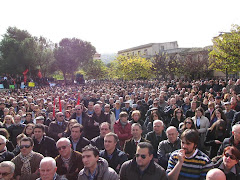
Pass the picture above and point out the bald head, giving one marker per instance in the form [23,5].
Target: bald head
[214,174]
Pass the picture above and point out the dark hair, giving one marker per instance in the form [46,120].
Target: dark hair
[28,113]
[25,139]
[222,114]
[92,148]
[184,125]
[234,151]
[123,114]
[4,132]
[77,125]
[190,135]
[115,136]
[146,145]
[29,124]
[39,126]
[151,115]
[200,109]
[175,112]
[216,125]
[105,123]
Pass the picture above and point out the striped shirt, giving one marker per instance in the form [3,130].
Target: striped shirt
[194,167]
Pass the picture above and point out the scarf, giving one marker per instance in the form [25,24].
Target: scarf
[26,168]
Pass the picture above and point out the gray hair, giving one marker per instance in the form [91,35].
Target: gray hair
[63,140]
[236,126]
[48,159]
[9,164]
[3,138]
[156,121]
[137,124]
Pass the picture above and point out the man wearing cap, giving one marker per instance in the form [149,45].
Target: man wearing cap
[127,107]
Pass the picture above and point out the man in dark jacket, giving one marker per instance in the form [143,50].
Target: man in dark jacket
[111,153]
[156,136]
[77,140]
[56,128]
[131,145]
[142,166]
[43,144]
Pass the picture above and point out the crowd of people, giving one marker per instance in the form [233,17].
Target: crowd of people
[122,130]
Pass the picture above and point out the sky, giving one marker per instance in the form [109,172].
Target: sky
[113,25]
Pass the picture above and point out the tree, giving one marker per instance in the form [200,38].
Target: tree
[134,67]
[71,54]
[225,55]
[96,70]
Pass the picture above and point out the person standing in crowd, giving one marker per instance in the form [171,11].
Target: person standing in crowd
[156,136]
[111,115]
[188,162]
[69,162]
[111,153]
[177,118]
[166,147]
[27,162]
[57,128]
[99,140]
[143,165]
[95,167]
[80,115]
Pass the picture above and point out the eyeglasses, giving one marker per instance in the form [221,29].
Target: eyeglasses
[5,174]
[60,115]
[231,156]
[62,147]
[25,146]
[179,112]
[142,156]
[188,122]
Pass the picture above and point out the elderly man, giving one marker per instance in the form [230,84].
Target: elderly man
[188,162]
[156,136]
[214,174]
[95,167]
[27,162]
[111,115]
[98,117]
[131,145]
[234,140]
[77,140]
[166,147]
[69,162]
[48,170]
[5,155]
[142,166]
[80,115]
[7,169]
[111,153]
[56,128]
[99,140]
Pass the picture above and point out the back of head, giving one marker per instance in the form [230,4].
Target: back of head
[215,174]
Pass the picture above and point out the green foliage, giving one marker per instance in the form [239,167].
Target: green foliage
[225,55]
[71,54]
[128,68]
[96,70]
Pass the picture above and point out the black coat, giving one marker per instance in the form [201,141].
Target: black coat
[81,143]
[14,130]
[47,147]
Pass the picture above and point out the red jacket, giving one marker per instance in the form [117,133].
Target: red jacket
[123,133]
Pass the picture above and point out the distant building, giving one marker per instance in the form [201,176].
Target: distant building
[97,56]
[151,49]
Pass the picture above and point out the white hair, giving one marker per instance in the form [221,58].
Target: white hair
[3,138]
[9,164]
[157,121]
[63,139]
[235,127]
[48,160]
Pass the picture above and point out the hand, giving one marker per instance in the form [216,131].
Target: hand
[181,155]
[218,142]
[59,135]
[96,123]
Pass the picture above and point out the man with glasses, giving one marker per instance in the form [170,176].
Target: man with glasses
[27,162]
[80,115]
[166,147]
[69,162]
[7,169]
[234,140]
[188,162]
[143,165]
[57,127]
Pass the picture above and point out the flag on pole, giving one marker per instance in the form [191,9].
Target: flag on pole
[54,107]
[39,74]
[25,75]
[60,105]
[78,101]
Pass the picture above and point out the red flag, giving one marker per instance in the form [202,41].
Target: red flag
[78,101]
[60,105]
[39,74]
[25,75]
[54,107]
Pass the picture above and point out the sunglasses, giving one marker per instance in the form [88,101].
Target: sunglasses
[142,156]
[62,147]
[231,156]
[188,122]
[60,115]
[5,174]
[25,146]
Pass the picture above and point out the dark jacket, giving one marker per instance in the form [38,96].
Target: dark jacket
[130,147]
[98,142]
[81,143]
[130,171]
[92,131]
[75,165]
[47,147]
[55,128]
[118,158]
[85,118]
[14,130]
[151,136]
[227,142]
[6,156]
[175,122]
